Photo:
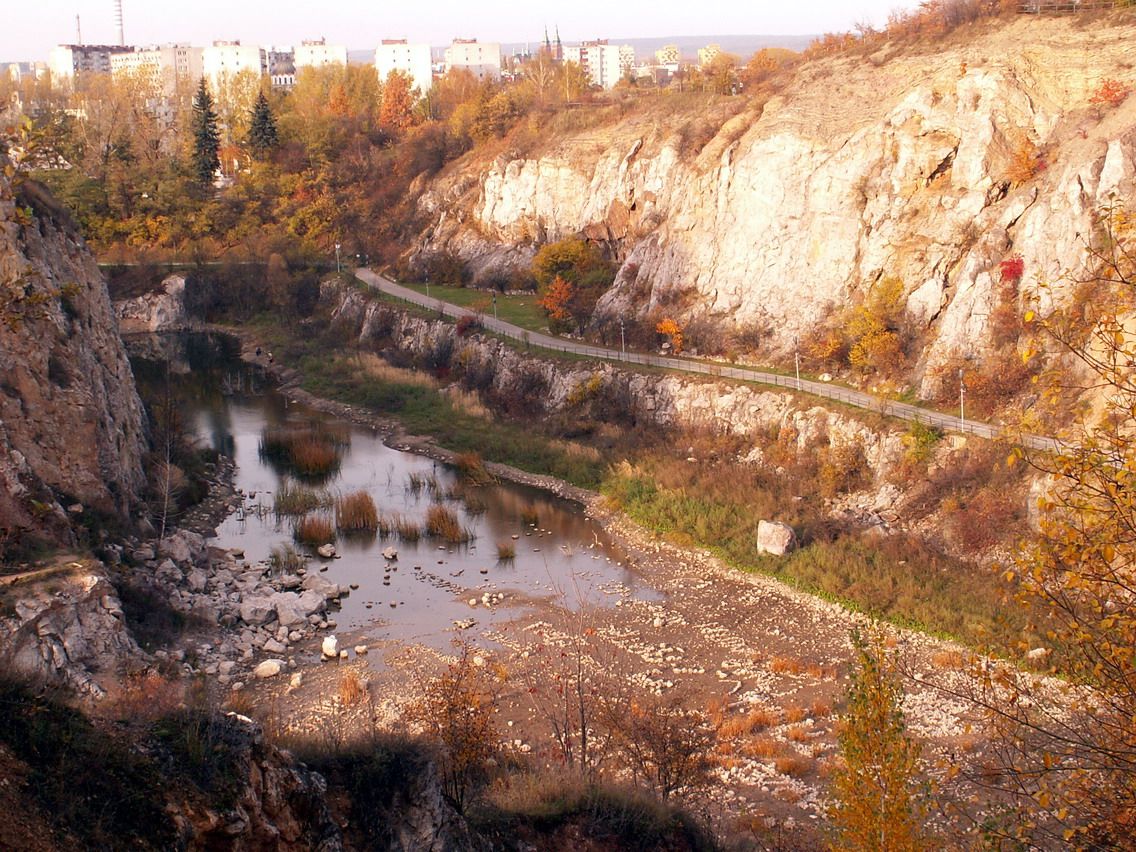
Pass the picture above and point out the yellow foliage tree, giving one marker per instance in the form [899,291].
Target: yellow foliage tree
[672,330]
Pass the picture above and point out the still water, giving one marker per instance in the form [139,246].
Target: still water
[420,595]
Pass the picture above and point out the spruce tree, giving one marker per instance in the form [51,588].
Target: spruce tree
[262,128]
[206,137]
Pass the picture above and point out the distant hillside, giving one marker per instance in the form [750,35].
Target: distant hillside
[742,45]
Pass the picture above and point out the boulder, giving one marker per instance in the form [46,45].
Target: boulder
[292,609]
[183,546]
[390,553]
[330,647]
[257,610]
[775,537]
[318,583]
[327,551]
[272,646]
[269,668]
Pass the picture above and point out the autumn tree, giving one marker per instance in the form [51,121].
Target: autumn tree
[262,136]
[206,138]
[554,299]
[397,111]
[877,804]
[673,331]
[1066,750]
[456,712]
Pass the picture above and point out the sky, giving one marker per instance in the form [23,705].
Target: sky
[28,30]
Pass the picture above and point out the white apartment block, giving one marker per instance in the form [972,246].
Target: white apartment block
[483,60]
[162,67]
[668,54]
[68,62]
[604,64]
[411,59]
[226,59]
[317,53]
[708,54]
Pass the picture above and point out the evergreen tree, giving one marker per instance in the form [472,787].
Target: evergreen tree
[877,807]
[206,137]
[262,127]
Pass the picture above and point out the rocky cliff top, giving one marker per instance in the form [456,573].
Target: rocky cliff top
[929,164]
[71,424]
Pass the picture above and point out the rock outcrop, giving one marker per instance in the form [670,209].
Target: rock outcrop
[71,424]
[927,167]
[155,312]
[65,627]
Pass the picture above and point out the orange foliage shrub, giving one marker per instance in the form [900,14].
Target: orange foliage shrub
[672,330]
[1110,93]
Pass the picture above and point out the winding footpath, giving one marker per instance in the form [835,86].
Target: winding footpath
[848,396]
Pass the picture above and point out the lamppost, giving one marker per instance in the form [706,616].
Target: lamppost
[338,267]
[962,403]
[797,359]
[495,307]
[427,285]
[622,340]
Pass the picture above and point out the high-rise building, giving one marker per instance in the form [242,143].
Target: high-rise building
[69,62]
[161,67]
[708,54]
[604,64]
[414,60]
[225,59]
[483,59]
[668,54]
[317,53]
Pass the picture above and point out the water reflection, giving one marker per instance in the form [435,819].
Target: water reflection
[419,595]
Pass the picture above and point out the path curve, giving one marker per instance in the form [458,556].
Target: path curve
[859,399]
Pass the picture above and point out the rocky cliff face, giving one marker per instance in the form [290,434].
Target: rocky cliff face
[901,164]
[71,423]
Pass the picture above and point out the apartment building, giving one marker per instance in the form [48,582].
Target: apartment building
[317,53]
[160,67]
[482,59]
[414,60]
[225,59]
[604,64]
[69,62]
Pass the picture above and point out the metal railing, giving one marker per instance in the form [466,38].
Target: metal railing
[858,399]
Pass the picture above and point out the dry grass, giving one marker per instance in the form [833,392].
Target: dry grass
[795,714]
[307,451]
[750,723]
[356,513]
[762,748]
[787,665]
[793,765]
[472,468]
[443,523]
[314,530]
[798,734]
[948,660]
[405,528]
[820,708]
[376,368]
[296,499]
[530,516]
[506,551]
[351,688]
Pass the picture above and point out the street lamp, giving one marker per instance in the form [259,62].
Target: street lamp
[338,267]
[797,359]
[495,307]
[622,340]
[962,403]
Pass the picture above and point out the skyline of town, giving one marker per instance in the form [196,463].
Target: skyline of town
[32,33]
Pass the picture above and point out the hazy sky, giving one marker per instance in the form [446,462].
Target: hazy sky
[29,29]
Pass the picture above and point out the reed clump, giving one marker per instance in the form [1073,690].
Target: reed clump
[506,551]
[442,522]
[405,528]
[356,513]
[314,530]
[308,451]
[472,468]
[296,499]
[530,516]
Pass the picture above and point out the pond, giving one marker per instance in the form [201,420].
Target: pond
[560,554]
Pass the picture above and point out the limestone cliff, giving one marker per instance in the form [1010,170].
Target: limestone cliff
[899,164]
[71,423]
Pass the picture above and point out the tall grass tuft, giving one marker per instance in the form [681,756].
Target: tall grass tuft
[405,528]
[314,530]
[443,523]
[530,516]
[309,451]
[296,499]
[472,468]
[285,559]
[356,513]
[506,551]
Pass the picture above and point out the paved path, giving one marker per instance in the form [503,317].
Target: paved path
[859,399]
